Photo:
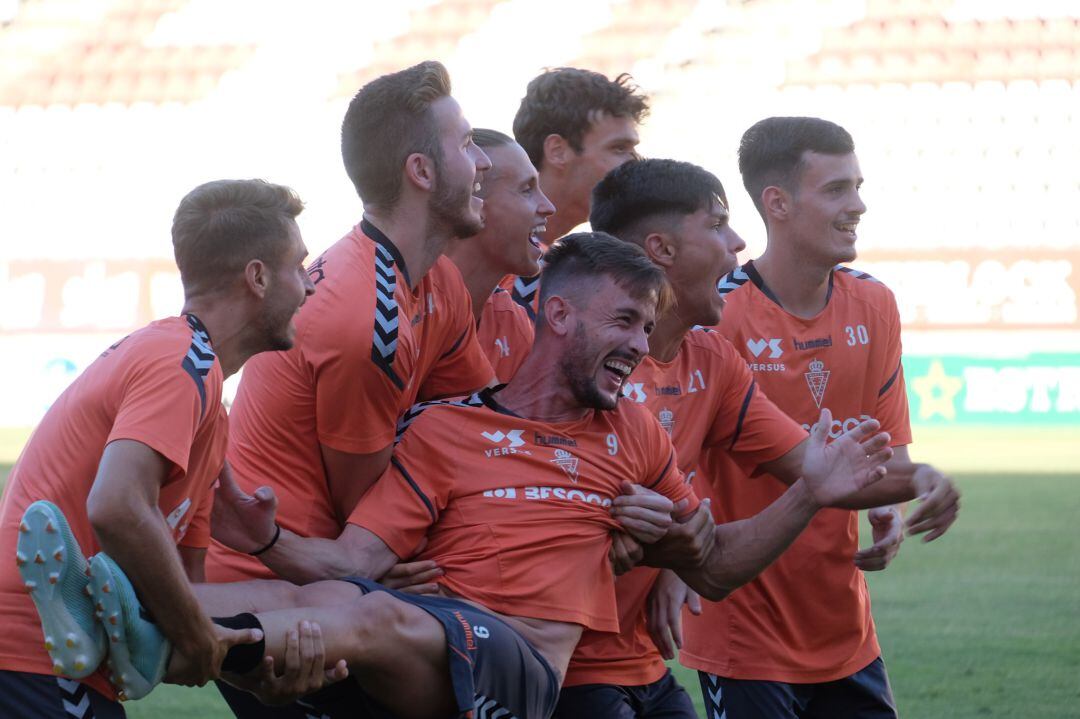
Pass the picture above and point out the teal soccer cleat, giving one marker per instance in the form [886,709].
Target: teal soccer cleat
[54,571]
[138,651]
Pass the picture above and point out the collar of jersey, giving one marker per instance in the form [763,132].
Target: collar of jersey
[196,324]
[489,401]
[379,237]
[756,278]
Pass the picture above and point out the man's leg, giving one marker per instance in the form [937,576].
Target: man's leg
[38,696]
[595,701]
[866,694]
[751,699]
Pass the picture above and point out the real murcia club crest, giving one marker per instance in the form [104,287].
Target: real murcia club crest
[567,462]
[667,419]
[817,379]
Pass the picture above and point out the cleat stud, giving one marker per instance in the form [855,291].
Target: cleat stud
[113,618]
[54,577]
[79,666]
[20,559]
[23,528]
[49,646]
[115,637]
[58,555]
[38,559]
[100,607]
[106,588]
[58,667]
[50,528]
[30,585]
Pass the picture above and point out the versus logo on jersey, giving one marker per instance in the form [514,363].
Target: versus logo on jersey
[759,345]
[817,379]
[634,391]
[173,520]
[567,462]
[813,344]
[512,440]
[667,419]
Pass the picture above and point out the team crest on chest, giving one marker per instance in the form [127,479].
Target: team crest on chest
[817,379]
[567,463]
[667,419]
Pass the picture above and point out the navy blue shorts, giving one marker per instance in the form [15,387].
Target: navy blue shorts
[866,694]
[44,696]
[494,671]
[663,699]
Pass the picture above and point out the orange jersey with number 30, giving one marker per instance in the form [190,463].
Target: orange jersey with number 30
[807,617]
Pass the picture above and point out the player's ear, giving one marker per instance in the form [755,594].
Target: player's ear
[776,201]
[419,171]
[661,249]
[257,277]
[557,150]
[557,311]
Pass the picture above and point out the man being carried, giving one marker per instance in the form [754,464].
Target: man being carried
[512,491]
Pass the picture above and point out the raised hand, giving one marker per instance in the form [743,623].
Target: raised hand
[886,524]
[241,521]
[836,470]
[939,504]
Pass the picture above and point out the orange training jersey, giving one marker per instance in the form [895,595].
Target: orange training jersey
[161,386]
[807,617]
[516,511]
[367,347]
[505,334]
[705,397]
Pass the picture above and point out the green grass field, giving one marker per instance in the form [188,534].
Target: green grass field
[984,622]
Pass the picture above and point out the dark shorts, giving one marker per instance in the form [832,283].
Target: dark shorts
[663,699]
[494,671]
[43,696]
[866,694]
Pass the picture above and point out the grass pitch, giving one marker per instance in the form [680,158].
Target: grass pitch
[981,623]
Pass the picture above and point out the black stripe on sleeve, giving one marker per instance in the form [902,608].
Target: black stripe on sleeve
[457,344]
[892,379]
[670,459]
[427,502]
[742,414]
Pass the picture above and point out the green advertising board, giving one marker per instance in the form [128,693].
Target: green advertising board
[959,390]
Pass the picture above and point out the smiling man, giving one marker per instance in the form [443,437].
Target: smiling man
[576,125]
[815,335]
[390,325]
[516,212]
[130,450]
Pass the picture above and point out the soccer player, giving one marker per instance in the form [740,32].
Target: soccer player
[515,214]
[512,490]
[576,125]
[390,325]
[129,451]
[815,335]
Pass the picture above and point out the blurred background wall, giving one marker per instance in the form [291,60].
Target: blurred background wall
[965,113]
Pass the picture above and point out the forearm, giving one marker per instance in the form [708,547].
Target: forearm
[135,536]
[746,547]
[310,559]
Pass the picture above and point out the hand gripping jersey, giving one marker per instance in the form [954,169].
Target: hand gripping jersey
[505,334]
[161,386]
[516,511]
[705,397]
[807,617]
[367,347]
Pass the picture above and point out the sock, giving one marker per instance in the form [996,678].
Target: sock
[242,658]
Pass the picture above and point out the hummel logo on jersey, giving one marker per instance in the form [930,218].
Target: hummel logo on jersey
[812,344]
[567,462]
[512,438]
[817,379]
[634,391]
[758,346]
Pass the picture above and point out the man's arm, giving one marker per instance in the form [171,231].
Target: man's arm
[123,511]
[193,560]
[744,548]
[349,476]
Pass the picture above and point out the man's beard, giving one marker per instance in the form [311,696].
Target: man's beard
[582,385]
[450,207]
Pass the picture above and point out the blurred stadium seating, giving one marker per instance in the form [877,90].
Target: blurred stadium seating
[966,115]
